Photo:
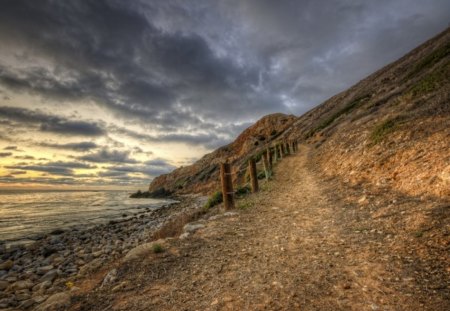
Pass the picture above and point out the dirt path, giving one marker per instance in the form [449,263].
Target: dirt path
[297,245]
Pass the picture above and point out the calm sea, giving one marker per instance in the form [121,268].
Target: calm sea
[25,215]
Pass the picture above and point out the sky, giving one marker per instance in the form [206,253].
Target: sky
[110,94]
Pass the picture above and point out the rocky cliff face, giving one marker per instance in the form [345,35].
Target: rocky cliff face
[203,175]
[391,129]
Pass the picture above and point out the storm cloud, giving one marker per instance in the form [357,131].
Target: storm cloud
[50,123]
[110,78]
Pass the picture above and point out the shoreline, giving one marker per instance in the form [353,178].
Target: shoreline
[35,271]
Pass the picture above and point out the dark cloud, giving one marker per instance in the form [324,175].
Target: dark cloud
[56,170]
[51,123]
[18,172]
[150,168]
[10,148]
[56,167]
[80,146]
[187,72]
[5,154]
[108,156]
[25,157]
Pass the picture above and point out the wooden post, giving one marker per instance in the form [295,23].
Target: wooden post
[253,175]
[283,152]
[293,146]
[288,149]
[266,164]
[280,151]
[269,153]
[227,185]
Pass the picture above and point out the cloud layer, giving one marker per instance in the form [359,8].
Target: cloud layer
[118,82]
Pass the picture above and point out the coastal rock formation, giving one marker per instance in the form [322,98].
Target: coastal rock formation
[391,129]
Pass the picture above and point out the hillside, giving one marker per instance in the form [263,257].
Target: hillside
[391,129]
[203,175]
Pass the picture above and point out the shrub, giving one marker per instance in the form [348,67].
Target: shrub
[261,175]
[380,132]
[243,190]
[157,248]
[214,199]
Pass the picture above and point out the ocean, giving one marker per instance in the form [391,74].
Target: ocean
[27,215]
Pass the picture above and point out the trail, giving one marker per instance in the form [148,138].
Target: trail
[296,245]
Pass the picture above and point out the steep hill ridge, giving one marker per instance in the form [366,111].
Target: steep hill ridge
[391,129]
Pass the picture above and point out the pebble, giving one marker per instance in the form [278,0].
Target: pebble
[38,270]
[27,284]
[7,265]
[50,276]
[3,285]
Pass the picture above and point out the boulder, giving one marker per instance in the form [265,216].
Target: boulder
[141,250]
[56,302]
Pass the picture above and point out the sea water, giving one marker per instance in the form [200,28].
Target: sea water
[28,215]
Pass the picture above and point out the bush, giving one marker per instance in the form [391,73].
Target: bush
[261,175]
[242,190]
[157,248]
[214,199]
[380,132]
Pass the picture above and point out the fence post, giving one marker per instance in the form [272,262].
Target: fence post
[253,175]
[227,185]
[283,151]
[266,164]
[269,153]
[288,149]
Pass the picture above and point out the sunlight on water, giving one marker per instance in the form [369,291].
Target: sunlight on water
[25,215]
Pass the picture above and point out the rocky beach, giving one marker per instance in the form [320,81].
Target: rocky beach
[30,274]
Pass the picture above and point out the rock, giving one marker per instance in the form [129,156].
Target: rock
[49,276]
[57,232]
[215,217]
[43,270]
[42,286]
[143,249]
[23,296]
[3,285]
[26,304]
[48,250]
[184,235]
[97,254]
[120,287]
[6,265]
[40,299]
[110,277]
[230,214]
[55,302]
[19,285]
[192,227]
[92,266]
